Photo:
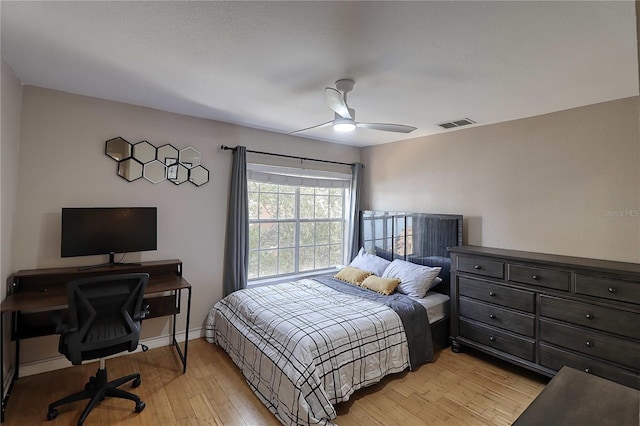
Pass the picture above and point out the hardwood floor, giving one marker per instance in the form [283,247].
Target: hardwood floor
[457,389]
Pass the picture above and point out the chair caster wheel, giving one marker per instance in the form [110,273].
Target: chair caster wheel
[140,406]
[136,383]
[91,384]
[52,414]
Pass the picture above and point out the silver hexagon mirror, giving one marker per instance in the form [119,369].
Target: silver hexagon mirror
[118,149]
[177,173]
[144,152]
[198,176]
[155,171]
[189,157]
[130,169]
[168,154]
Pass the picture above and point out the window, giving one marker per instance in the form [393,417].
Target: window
[296,220]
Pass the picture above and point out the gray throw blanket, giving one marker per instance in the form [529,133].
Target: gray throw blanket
[412,314]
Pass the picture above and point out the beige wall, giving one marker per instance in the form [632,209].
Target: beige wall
[638,43]
[63,164]
[11,90]
[10,141]
[548,183]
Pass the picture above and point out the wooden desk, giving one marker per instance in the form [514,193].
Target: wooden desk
[34,294]
[574,397]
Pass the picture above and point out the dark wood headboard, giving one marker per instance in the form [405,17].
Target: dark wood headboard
[420,238]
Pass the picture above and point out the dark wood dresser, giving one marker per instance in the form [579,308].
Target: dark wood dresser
[574,398]
[543,311]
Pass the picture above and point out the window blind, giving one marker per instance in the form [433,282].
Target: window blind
[297,177]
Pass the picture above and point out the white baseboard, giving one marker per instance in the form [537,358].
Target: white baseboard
[59,362]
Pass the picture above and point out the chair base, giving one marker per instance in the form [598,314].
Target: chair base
[96,390]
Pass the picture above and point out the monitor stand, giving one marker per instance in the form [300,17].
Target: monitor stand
[111,263]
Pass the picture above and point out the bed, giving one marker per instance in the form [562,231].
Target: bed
[307,345]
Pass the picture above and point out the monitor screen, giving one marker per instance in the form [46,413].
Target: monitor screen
[104,230]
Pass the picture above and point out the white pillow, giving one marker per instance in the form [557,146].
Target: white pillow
[369,262]
[415,280]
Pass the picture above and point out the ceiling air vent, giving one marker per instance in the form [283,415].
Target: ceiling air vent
[456,123]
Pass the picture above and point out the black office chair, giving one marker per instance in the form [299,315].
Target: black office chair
[105,313]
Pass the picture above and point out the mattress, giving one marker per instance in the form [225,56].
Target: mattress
[436,304]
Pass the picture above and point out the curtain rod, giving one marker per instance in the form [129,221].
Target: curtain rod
[225,148]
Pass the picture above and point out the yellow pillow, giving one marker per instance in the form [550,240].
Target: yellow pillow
[385,286]
[352,275]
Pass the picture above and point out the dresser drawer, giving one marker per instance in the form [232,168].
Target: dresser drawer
[501,340]
[479,266]
[495,293]
[549,278]
[615,321]
[606,288]
[620,351]
[555,359]
[517,322]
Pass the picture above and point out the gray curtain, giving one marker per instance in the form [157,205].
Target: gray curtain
[354,214]
[236,251]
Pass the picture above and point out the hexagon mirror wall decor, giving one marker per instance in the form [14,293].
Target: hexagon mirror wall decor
[198,176]
[167,154]
[144,152]
[143,159]
[130,169]
[118,149]
[189,157]
[178,173]
[155,171]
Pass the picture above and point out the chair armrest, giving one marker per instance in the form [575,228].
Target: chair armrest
[56,317]
[144,311]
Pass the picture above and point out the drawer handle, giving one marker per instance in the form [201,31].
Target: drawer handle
[478,267]
[536,277]
[588,316]
[493,339]
[492,316]
[587,370]
[491,294]
[612,289]
[589,343]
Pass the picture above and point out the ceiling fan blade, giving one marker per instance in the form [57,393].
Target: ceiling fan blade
[398,128]
[336,102]
[328,123]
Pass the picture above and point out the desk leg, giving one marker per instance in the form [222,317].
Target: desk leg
[183,356]
[2,367]
[186,332]
[5,399]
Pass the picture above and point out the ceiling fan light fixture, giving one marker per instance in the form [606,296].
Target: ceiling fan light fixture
[345,118]
[344,125]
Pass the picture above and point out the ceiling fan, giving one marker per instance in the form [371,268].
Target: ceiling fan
[344,120]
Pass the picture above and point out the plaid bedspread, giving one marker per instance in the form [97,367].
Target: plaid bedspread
[412,314]
[303,346]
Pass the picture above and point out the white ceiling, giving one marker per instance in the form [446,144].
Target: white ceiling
[266,64]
